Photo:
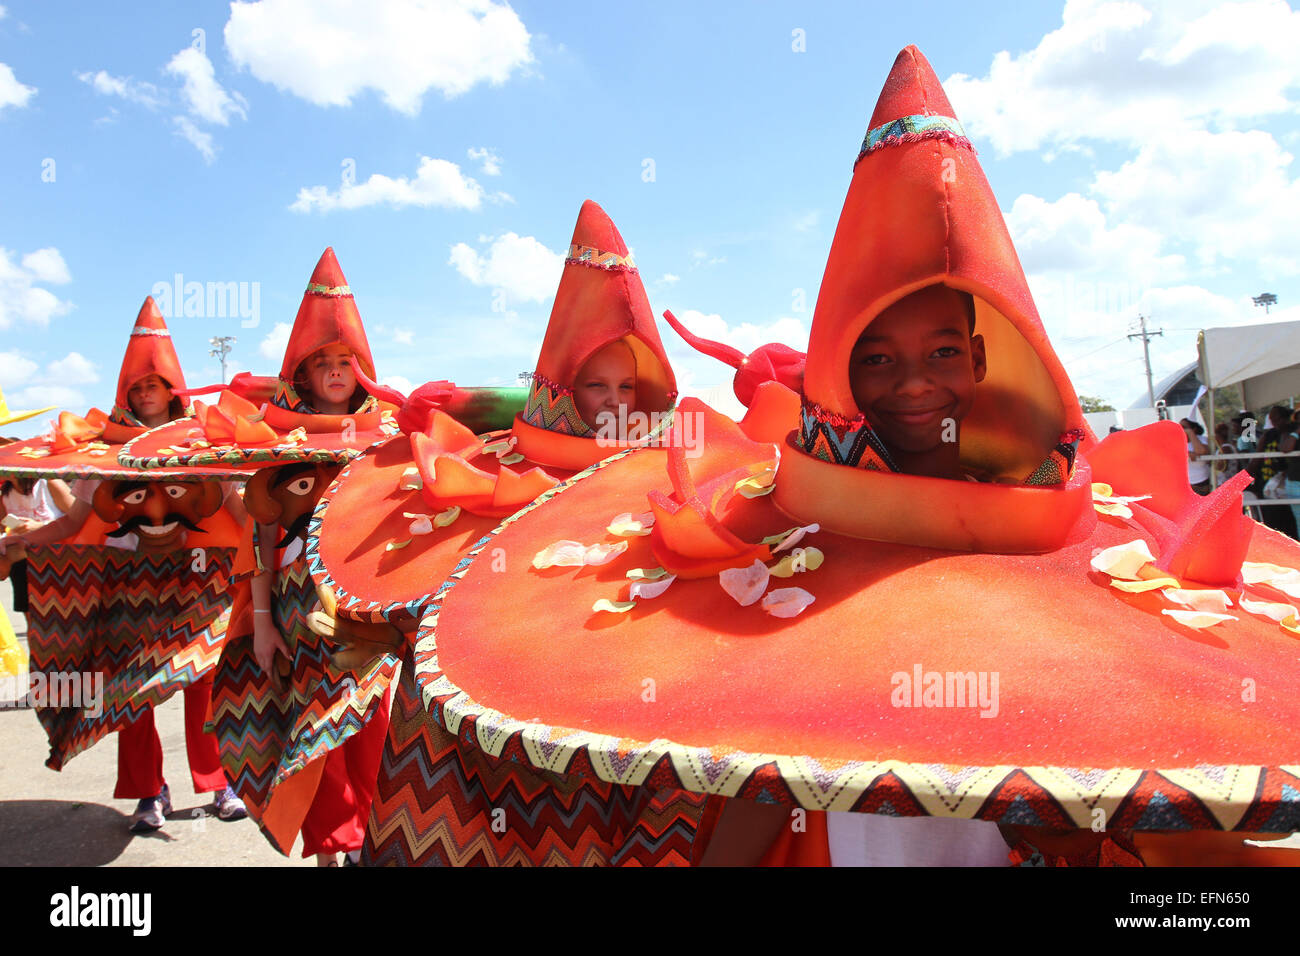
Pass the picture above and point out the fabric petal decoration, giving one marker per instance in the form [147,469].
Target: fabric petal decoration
[795,536]
[755,486]
[615,607]
[444,518]
[628,524]
[650,589]
[599,554]
[787,602]
[1197,619]
[422,525]
[797,561]
[410,480]
[1268,609]
[1138,587]
[561,554]
[745,585]
[512,459]
[1292,625]
[397,545]
[647,574]
[1216,602]
[1123,560]
[1286,580]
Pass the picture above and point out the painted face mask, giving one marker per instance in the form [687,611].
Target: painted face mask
[157,512]
[287,496]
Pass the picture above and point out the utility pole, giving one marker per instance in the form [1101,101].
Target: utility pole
[222,345]
[1144,335]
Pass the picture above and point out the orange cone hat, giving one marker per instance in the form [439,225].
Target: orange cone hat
[600,300]
[795,617]
[328,316]
[148,352]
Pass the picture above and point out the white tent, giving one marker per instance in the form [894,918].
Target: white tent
[1263,359]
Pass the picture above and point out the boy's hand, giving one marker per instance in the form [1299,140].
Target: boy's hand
[267,642]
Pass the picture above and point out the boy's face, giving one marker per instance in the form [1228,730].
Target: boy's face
[915,367]
[606,381]
[150,399]
[330,378]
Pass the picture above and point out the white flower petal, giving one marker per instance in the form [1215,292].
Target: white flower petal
[787,602]
[745,585]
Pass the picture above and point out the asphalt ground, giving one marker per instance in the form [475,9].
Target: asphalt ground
[69,817]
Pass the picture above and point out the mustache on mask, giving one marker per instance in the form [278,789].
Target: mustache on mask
[130,525]
[299,527]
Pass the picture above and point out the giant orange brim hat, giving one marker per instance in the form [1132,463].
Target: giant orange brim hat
[251,427]
[803,624]
[403,515]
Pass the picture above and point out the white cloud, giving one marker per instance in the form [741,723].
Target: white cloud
[37,396]
[1129,73]
[489,158]
[1227,195]
[73,368]
[746,336]
[1071,235]
[13,93]
[403,385]
[330,51]
[21,298]
[668,278]
[15,370]
[200,140]
[404,336]
[520,265]
[276,341]
[437,182]
[105,84]
[46,265]
[203,95]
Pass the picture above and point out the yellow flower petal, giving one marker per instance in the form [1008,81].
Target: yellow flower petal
[798,560]
[616,607]
[444,518]
[514,459]
[628,524]
[1101,490]
[1123,560]
[755,485]
[1137,587]
[397,545]
[646,574]
[1116,510]
[1291,624]
[1197,619]
[499,447]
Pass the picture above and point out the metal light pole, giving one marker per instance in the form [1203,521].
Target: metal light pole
[1265,299]
[222,344]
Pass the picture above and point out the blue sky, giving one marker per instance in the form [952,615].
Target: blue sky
[1141,151]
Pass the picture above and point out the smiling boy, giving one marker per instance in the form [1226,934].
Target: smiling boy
[913,372]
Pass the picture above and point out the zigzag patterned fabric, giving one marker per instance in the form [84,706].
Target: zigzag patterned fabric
[841,441]
[440,804]
[287,397]
[266,736]
[551,407]
[150,624]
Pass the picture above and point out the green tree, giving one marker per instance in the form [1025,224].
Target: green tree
[1092,404]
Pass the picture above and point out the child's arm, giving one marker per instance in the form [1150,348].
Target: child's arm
[267,640]
[55,531]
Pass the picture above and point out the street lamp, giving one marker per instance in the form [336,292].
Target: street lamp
[1265,299]
[221,346]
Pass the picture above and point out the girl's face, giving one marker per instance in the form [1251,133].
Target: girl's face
[605,382]
[330,379]
[150,399]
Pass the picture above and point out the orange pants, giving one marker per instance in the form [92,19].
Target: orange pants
[140,757]
[341,808]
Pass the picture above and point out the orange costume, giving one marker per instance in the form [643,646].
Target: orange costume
[788,618]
